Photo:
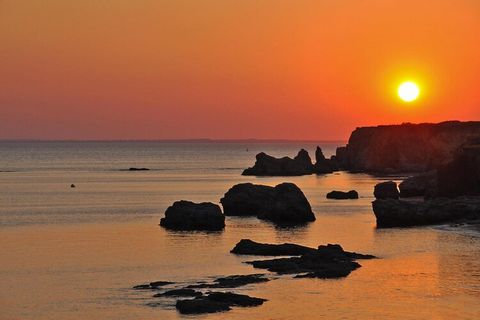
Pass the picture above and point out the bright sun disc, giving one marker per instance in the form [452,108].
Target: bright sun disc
[408,91]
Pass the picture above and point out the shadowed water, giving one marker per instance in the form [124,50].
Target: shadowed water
[74,253]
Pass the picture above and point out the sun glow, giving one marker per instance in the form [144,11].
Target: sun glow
[408,91]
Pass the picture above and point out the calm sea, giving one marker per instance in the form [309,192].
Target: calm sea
[74,253]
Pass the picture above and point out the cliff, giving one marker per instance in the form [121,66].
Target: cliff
[405,148]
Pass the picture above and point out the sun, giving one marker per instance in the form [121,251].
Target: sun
[408,91]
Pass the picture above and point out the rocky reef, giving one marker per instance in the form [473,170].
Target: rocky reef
[301,164]
[187,215]
[404,148]
[283,204]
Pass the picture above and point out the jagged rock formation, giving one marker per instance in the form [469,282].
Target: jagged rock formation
[266,165]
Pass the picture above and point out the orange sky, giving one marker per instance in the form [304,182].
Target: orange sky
[147,69]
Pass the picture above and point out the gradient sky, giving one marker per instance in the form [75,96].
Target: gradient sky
[228,69]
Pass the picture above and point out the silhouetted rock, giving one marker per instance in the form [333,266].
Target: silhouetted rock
[402,213]
[341,195]
[152,285]
[266,165]
[234,281]
[72,186]
[249,247]
[284,203]
[323,165]
[138,169]
[216,302]
[405,148]
[418,185]
[329,261]
[386,190]
[187,215]
[179,293]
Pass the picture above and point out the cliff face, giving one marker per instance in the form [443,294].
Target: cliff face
[406,147]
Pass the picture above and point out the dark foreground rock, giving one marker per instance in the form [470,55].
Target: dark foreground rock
[402,213]
[386,190]
[266,165]
[187,215]
[216,302]
[329,261]
[418,185]
[234,281]
[341,195]
[249,247]
[284,203]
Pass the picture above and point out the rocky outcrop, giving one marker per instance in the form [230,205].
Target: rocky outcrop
[342,195]
[249,247]
[284,203]
[234,281]
[403,213]
[216,302]
[187,215]
[179,293]
[329,261]
[266,165]
[386,190]
[405,148]
[418,185]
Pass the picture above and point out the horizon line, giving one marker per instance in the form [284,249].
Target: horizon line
[173,140]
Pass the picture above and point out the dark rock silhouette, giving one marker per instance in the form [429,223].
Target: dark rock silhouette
[179,293]
[266,165]
[234,281]
[404,148]
[187,215]
[386,190]
[418,185]
[284,203]
[72,186]
[402,213]
[329,261]
[341,195]
[249,247]
[138,169]
[216,302]
[152,285]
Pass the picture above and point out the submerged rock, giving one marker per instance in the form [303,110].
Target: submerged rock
[341,195]
[234,281]
[187,215]
[402,213]
[216,302]
[284,203]
[152,285]
[184,292]
[249,247]
[386,190]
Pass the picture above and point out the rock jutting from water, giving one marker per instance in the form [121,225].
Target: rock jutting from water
[342,195]
[301,164]
[216,302]
[283,204]
[187,215]
[386,190]
[233,281]
[329,261]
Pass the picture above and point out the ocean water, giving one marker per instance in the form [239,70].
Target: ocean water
[75,253]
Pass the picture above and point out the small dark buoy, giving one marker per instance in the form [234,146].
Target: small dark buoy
[72,186]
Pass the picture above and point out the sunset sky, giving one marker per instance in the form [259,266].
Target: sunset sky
[225,69]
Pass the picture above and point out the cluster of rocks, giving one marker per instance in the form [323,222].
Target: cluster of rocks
[450,193]
[282,204]
[325,262]
[266,165]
